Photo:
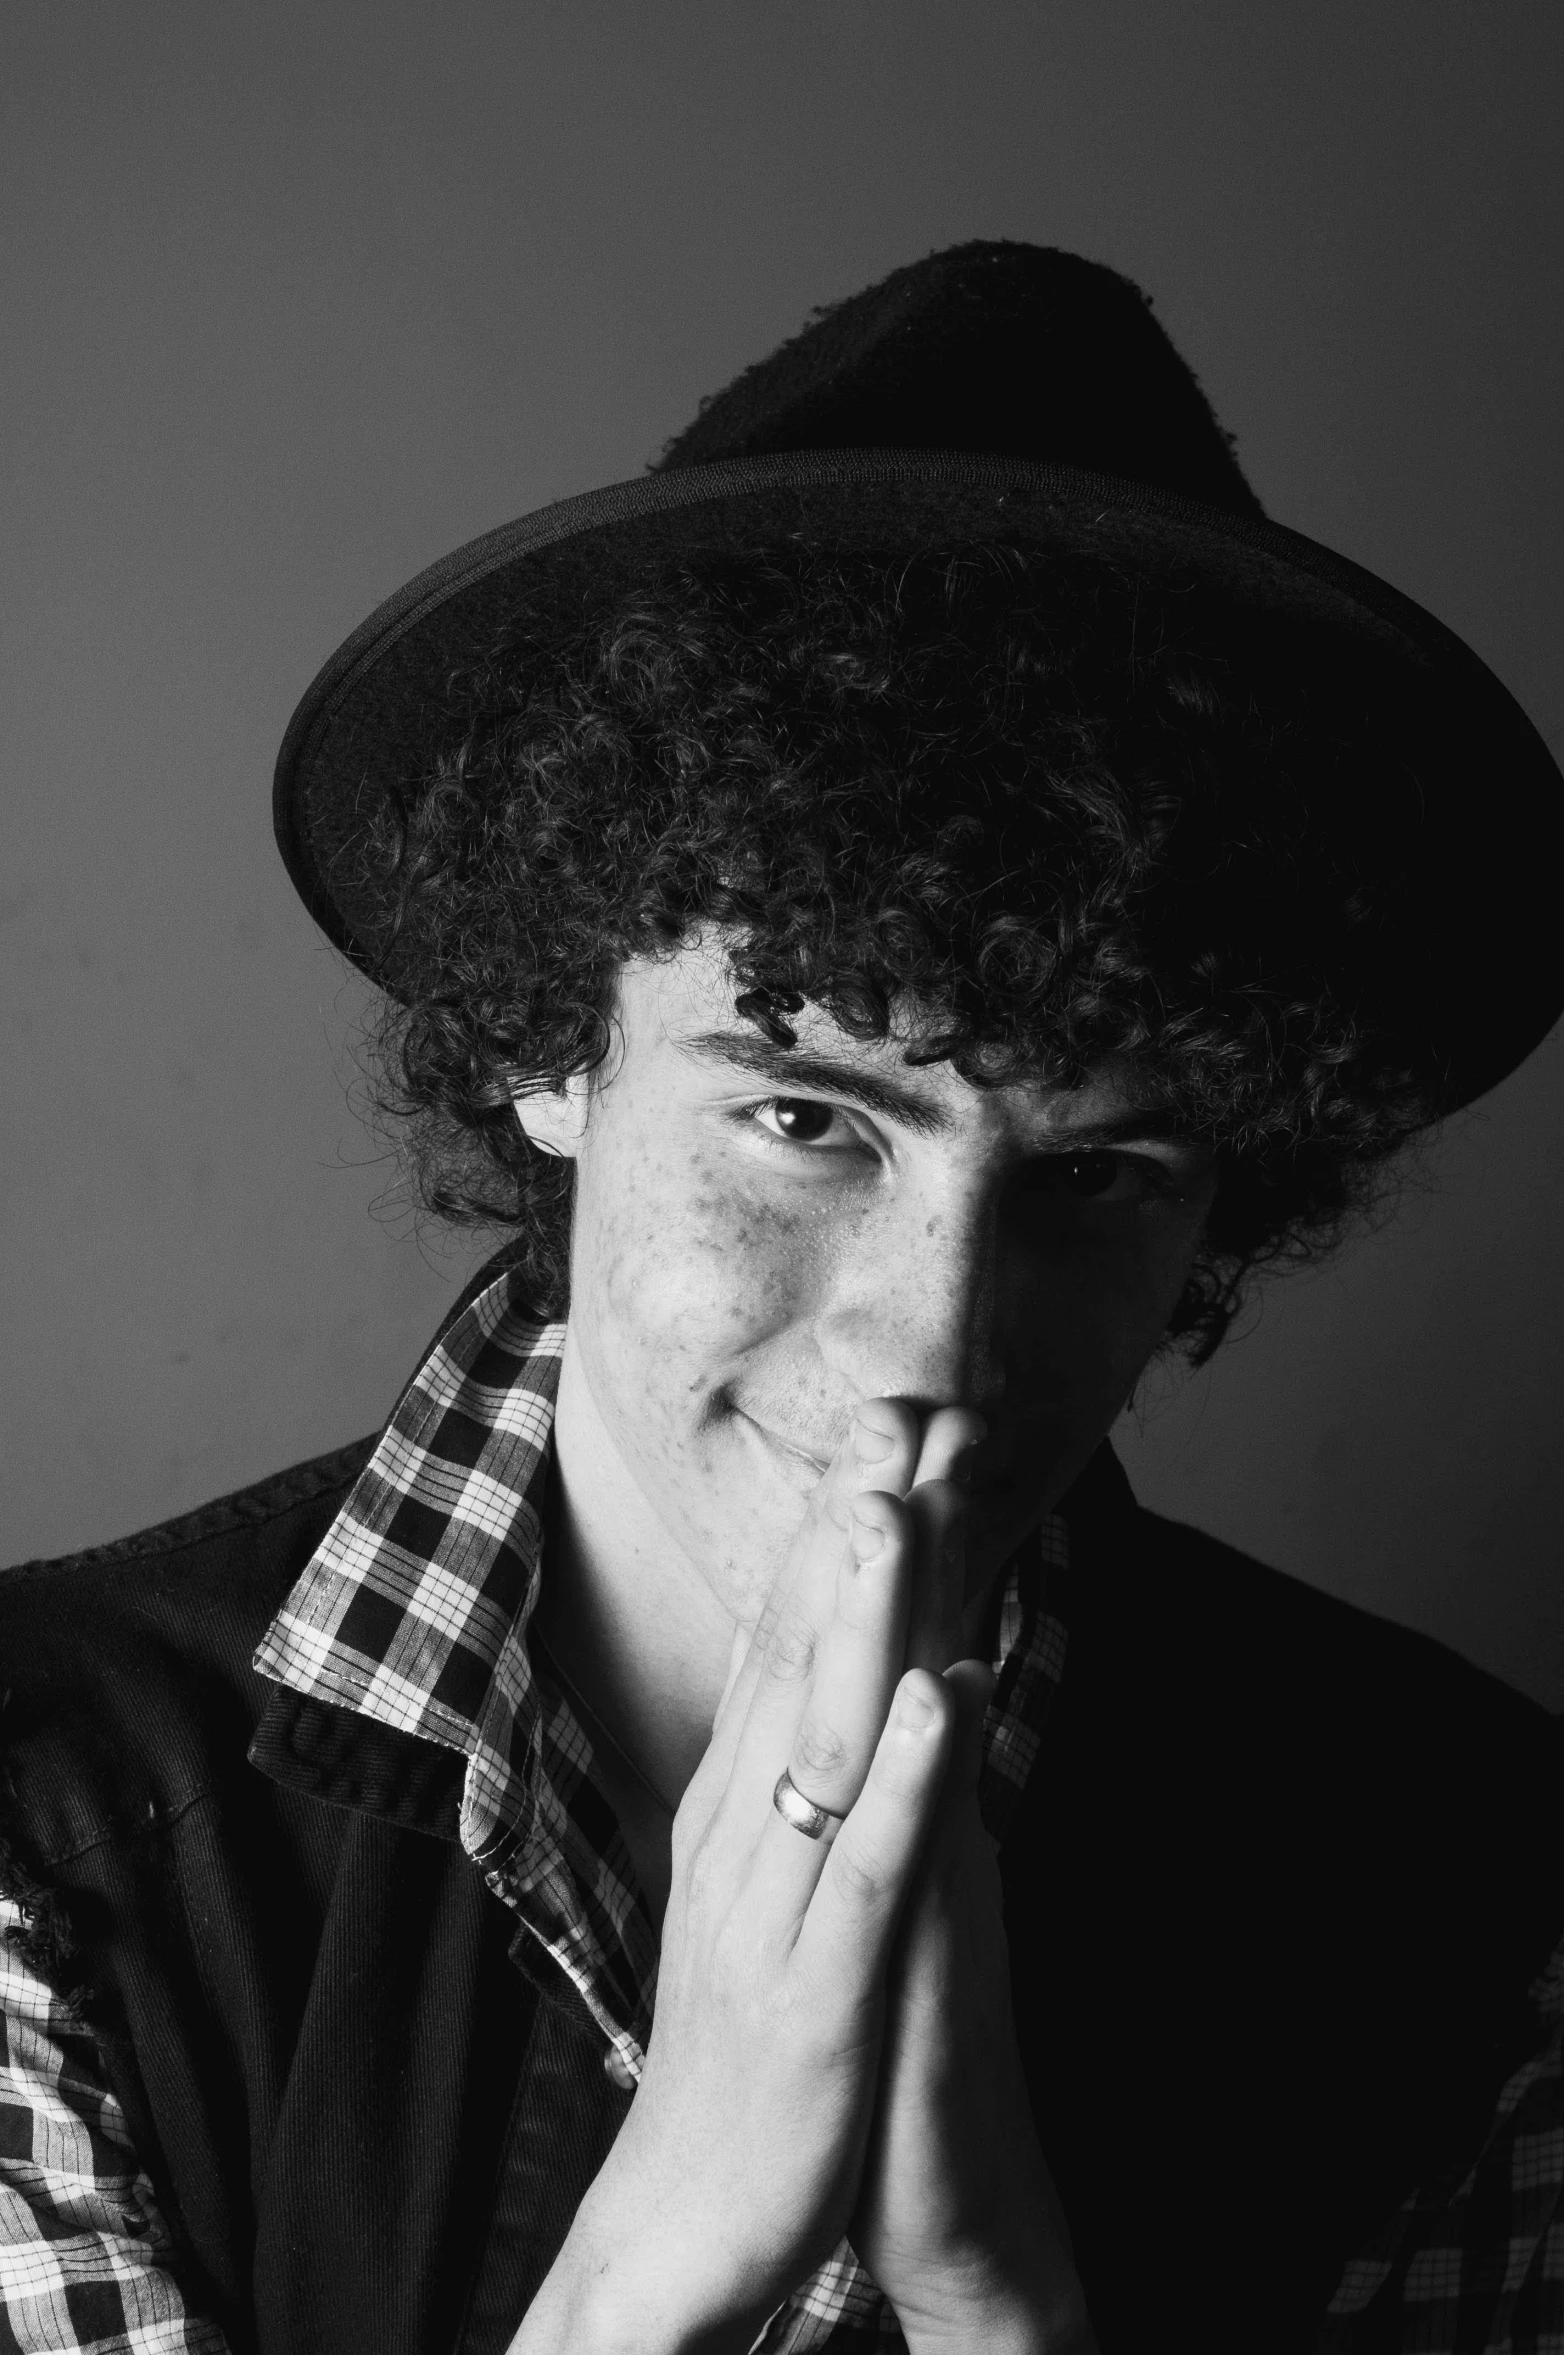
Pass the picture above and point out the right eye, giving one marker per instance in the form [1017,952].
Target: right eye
[802,1120]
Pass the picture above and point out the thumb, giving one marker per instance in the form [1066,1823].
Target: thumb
[972,1685]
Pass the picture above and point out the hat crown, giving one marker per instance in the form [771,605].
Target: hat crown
[999,349]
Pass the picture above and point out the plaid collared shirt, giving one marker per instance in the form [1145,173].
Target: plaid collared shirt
[414,1611]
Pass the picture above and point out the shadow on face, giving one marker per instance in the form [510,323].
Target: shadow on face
[763,1238]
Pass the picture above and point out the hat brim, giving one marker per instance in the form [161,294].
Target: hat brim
[376,715]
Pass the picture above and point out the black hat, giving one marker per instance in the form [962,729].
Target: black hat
[992,392]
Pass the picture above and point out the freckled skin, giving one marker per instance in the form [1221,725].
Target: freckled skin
[713,1278]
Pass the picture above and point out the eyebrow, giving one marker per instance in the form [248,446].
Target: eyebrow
[883,1097]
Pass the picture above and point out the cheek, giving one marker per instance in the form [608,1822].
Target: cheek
[681,1282]
[673,1253]
[1085,1318]
[1098,1305]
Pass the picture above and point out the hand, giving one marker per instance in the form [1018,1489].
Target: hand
[957,2219]
[737,2169]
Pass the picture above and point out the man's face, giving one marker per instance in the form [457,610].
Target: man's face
[755,1251]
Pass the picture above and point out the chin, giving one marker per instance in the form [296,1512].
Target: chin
[754,1498]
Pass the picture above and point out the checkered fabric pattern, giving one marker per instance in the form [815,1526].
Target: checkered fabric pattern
[1475,2265]
[86,2260]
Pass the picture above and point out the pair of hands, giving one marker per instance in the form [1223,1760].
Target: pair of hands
[834,2050]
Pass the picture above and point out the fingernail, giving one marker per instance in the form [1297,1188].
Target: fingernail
[867,1536]
[961,1468]
[913,1709]
[869,1445]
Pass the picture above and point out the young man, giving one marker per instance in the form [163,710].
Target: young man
[724,1825]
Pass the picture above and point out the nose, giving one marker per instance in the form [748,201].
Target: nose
[917,1304]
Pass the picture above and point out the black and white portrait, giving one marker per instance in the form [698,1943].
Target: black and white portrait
[782,1138]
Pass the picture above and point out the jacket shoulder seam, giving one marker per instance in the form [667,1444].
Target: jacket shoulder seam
[120,1836]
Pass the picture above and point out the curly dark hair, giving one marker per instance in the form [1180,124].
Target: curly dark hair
[1061,814]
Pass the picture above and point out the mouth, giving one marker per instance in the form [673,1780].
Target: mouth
[798,1455]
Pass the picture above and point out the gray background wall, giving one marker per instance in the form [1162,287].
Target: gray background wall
[296,298]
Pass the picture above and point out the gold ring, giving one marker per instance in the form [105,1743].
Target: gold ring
[802,1813]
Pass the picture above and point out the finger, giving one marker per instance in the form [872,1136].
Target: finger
[935,1634]
[736,1656]
[807,1565]
[861,1657]
[971,1684]
[941,1874]
[773,1678]
[938,1497]
[951,1437]
[938,1876]
[857,1658]
[850,1924]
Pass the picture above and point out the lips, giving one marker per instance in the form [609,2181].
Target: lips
[989,1474]
[800,1455]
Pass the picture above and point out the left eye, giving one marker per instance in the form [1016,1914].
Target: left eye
[1087,1177]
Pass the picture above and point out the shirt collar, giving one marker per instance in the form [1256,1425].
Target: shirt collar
[413,1610]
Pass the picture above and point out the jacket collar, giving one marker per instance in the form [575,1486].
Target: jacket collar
[324,1751]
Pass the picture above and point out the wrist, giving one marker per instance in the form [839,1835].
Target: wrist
[606,2295]
[980,2312]
[1002,2330]
[575,2317]
[578,2311]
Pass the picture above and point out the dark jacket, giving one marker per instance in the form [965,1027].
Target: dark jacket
[1275,1893]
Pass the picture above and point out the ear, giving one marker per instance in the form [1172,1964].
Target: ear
[554,1119]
